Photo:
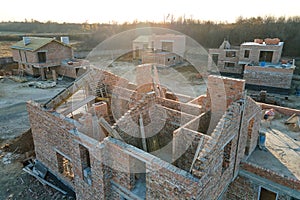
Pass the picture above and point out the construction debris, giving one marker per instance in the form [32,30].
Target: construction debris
[40,172]
[19,79]
[293,122]
[40,84]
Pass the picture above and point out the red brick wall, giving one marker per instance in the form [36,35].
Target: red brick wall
[54,52]
[270,175]
[241,188]
[267,76]
[222,59]
[255,51]
[222,91]
[51,134]
[66,71]
[163,180]
[15,54]
[247,187]
[252,111]
[57,51]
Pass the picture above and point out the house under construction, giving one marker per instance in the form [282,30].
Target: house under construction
[108,138]
[258,62]
[46,57]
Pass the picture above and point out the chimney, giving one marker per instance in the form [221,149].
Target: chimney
[65,40]
[26,40]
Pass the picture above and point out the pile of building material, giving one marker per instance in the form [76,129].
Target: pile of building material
[293,122]
[19,79]
[259,41]
[37,170]
[40,84]
[272,41]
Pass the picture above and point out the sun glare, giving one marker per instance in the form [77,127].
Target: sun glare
[135,10]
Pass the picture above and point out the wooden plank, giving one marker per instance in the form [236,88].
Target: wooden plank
[62,96]
[77,105]
[43,181]
[103,123]
[197,153]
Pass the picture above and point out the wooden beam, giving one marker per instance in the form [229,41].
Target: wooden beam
[43,181]
[143,133]
[112,132]
[77,105]
[197,153]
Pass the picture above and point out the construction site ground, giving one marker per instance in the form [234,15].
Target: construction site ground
[282,148]
[16,142]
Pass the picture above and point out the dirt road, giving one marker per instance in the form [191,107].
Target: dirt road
[13,98]
[16,184]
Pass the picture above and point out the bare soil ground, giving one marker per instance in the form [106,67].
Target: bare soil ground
[15,183]
[13,98]
[16,142]
[5,50]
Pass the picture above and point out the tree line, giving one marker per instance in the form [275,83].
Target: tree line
[208,33]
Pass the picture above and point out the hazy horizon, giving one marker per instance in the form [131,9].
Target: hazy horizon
[144,11]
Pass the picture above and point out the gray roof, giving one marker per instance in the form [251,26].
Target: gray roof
[35,43]
[142,39]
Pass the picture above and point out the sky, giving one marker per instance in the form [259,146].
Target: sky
[104,11]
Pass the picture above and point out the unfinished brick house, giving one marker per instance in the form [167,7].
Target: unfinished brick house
[165,49]
[119,140]
[258,62]
[38,56]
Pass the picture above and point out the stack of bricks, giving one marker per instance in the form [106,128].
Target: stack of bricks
[272,41]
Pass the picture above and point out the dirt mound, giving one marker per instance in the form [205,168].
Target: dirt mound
[21,144]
